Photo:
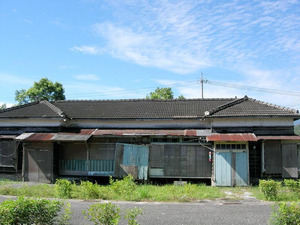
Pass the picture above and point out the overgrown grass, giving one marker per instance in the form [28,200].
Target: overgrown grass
[117,190]
[127,190]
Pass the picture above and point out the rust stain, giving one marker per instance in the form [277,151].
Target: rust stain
[232,137]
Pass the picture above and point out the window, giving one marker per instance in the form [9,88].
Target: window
[231,146]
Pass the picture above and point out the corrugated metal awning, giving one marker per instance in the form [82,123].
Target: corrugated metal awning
[232,137]
[8,136]
[151,132]
[83,135]
[291,138]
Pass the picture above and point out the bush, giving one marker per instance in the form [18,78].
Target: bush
[63,188]
[269,188]
[288,214]
[292,185]
[33,211]
[131,215]
[89,190]
[124,187]
[103,213]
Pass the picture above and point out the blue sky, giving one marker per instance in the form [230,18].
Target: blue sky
[127,48]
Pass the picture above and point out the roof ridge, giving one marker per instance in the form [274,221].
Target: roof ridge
[144,99]
[274,105]
[54,108]
[226,105]
[19,106]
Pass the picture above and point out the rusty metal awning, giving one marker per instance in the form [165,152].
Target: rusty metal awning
[83,135]
[291,138]
[152,132]
[8,136]
[232,137]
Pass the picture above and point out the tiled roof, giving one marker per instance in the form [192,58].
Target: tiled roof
[149,109]
[41,109]
[248,107]
[139,108]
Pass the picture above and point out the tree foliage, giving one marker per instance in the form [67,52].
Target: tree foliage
[3,106]
[42,90]
[297,129]
[163,93]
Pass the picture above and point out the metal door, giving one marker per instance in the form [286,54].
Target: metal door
[39,165]
[137,155]
[223,169]
[241,169]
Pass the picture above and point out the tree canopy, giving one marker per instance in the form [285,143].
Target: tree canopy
[42,90]
[3,106]
[163,93]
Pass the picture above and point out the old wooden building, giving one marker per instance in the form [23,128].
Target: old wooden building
[231,142]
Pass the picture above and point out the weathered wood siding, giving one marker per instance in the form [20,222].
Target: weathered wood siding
[73,159]
[38,162]
[179,161]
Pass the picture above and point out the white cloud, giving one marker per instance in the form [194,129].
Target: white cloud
[92,50]
[87,77]
[8,78]
[84,90]
[186,36]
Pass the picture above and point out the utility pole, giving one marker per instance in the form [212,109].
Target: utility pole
[201,84]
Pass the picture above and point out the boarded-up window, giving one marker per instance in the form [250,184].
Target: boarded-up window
[7,153]
[289,161]
[273,161]
[179,160]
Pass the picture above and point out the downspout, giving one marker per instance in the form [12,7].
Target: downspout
[23,163]
[87,157]
[262,157]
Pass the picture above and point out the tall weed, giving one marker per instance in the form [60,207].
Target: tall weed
[31,211]
[288,214]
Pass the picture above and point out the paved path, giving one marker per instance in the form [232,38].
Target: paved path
[247,211]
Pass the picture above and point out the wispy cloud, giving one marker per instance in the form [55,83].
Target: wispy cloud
[84,90]
[8,78]
[86,49]
[87,77]
[185,36]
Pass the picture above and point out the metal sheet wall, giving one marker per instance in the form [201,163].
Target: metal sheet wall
[289,161]
[273,161]
[179,160]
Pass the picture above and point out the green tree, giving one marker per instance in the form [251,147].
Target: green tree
[3,106]
[297,129]
[163,93]
[42,90]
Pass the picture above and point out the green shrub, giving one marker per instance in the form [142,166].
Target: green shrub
[131,215]
[288,214]
[124,187]
[89,190]
[63,188]
[103,213]
[269,188]
[32,211]
[292,185]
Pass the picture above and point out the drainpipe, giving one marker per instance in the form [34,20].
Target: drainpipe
[23,163]
[87,157]
[262,157]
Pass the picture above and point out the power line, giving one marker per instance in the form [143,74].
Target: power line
[261,89]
